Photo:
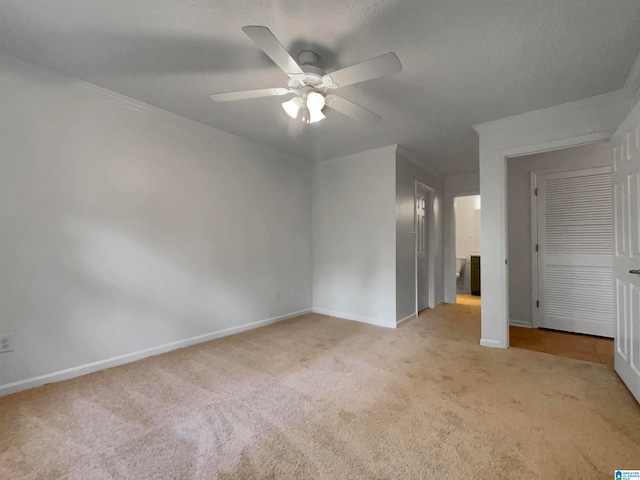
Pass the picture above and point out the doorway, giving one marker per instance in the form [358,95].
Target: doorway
[467,249]
[560,241]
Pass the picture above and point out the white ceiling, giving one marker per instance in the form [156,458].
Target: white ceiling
[465,61]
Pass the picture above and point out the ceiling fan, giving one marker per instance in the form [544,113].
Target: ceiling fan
[310,85]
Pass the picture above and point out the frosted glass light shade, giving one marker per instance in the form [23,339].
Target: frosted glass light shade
[296,108]
[315,116]
[315,101]
[292,106]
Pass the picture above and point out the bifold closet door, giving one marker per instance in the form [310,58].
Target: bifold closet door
[575,245]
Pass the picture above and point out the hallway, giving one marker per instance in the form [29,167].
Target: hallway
[564,344]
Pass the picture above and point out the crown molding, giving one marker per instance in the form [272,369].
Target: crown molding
[631,88]
[146,108]
[632,84]
[604,98]
[628,122]
[385,149]
[27,67]
[416,161]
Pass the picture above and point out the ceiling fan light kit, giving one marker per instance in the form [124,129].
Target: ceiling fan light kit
[310,84]
[314,102]
[315,116]
[293,106]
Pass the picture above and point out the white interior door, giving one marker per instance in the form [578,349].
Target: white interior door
[422,243]
[575,242]
[626,191]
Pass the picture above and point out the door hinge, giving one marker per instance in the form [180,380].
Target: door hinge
[536,247]
[536,191]
[537,303]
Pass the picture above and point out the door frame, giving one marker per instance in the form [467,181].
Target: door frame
[431,274]
[449,273]
[504,156]
[533,203]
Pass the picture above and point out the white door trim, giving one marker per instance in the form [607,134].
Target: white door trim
[500,303]
[449,273]
[431,274]
[535,321]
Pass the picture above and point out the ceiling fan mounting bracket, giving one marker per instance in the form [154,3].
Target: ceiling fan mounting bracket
[308,57]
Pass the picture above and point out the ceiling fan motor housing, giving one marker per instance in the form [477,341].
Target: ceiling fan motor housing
[307,57]
[312,77]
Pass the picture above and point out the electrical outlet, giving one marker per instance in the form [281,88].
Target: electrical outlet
[6,344]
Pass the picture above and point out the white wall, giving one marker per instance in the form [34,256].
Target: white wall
[126,229]
[568,125]
[454,186]
[354,237]
[467,235]
[519,214]
[407,172]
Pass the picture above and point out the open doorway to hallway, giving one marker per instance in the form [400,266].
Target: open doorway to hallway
[570,345]
[467,241]
[560,244]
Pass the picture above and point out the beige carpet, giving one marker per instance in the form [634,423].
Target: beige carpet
[317,397]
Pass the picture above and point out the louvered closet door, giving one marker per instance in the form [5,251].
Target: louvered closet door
[575,264]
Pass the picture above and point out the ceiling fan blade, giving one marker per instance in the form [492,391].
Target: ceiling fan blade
[296,126]
[270,45]
[350,109]
[386,64]
[247,94]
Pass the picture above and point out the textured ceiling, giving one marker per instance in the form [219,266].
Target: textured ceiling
[465,61]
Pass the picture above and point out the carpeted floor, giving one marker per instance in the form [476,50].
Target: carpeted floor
[321,398]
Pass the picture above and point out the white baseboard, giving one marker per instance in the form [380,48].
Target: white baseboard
[520,323]
[407,318]
[491,343]
[358,318]
[132,357]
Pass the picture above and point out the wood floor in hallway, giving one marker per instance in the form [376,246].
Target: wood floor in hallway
[564,344]
[468,300]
